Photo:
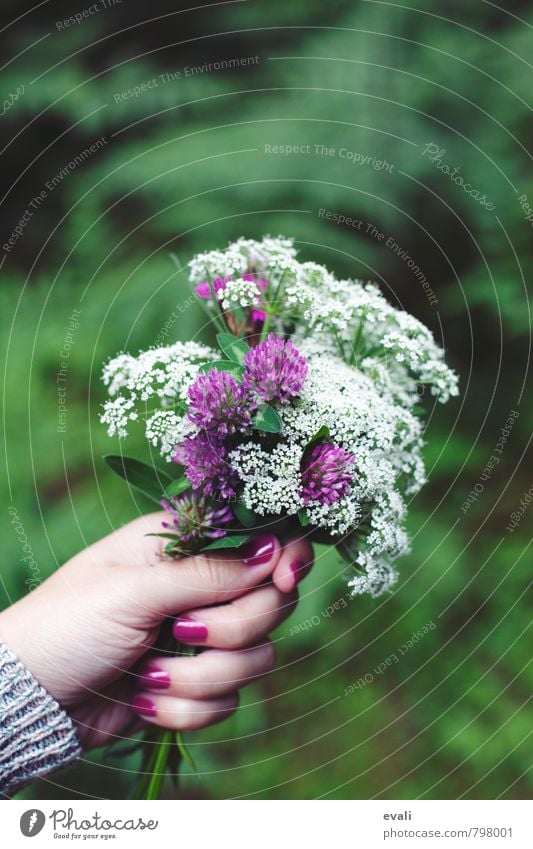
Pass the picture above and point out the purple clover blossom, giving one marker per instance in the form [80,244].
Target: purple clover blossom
[220,405]
[192,518]
[327,471]
[219,284]
[274,370]
[205,290]
[257,315]
[206,465]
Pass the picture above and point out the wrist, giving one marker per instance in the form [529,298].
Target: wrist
[17,625]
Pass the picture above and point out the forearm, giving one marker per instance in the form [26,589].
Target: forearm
[36,735]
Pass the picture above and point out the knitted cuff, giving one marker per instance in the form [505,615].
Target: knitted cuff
[36,735]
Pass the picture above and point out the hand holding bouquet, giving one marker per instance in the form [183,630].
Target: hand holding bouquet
[303,422]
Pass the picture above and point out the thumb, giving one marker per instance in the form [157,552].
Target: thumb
[168,586]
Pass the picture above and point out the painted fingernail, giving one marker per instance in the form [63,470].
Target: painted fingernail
[299,569]
[143,706]
[259,550]
[153,678]
[187,630]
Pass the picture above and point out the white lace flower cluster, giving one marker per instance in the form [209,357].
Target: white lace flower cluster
[239,292]
[160,374]
[239,257]
[366,362]
[385,439]
[349,317]
[354,320]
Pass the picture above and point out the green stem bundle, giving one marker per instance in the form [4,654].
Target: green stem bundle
[163,750]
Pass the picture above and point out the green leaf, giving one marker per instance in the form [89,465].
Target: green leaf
[267,419]
[223,365]
[149,480]
[175,471]
[177,487]
[303,517]
[234,541]
[245,516]
[184,752]
[320,434]
[235,349]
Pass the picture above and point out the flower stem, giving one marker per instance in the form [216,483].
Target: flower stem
[270,308]
[266,325]
[357,338]
[160,764]
[163,750]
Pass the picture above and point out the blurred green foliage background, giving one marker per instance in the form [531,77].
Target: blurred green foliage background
[181,167]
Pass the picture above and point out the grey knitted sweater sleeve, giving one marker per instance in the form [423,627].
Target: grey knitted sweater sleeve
[36,735]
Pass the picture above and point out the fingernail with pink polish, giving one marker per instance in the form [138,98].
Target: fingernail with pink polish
[187,630]
[153,678]
[143,706]
[259,550]
[299,569]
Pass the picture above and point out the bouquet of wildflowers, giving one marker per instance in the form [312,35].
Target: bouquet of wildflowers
[303,418]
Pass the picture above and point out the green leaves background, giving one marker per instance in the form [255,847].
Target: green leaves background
[184,168]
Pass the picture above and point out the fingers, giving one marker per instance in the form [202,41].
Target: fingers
[183,714]
[198,691]
[209,675]
[170,586]
[294,563]
[214,578]
[241,622]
